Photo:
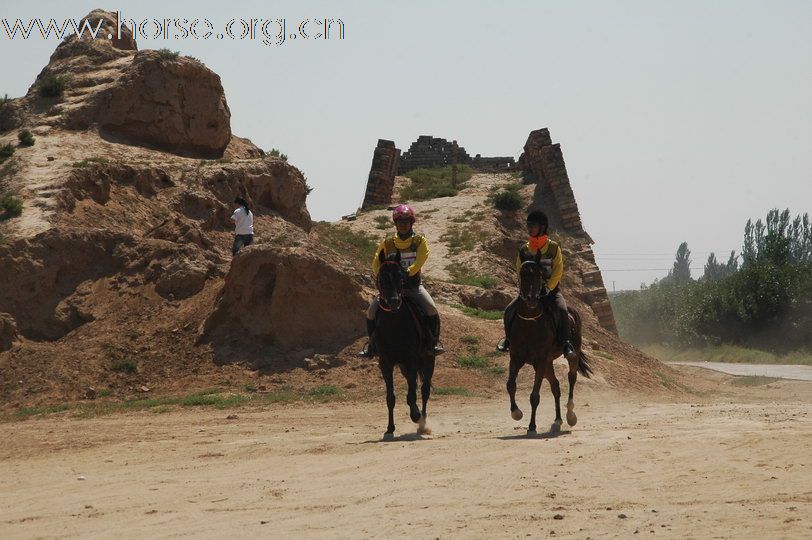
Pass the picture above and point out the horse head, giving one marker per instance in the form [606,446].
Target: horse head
[391,278]
[532,278]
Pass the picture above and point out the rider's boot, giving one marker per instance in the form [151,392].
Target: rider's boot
[435,329]
[369,351]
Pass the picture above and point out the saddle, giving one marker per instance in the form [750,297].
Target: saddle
[424,329]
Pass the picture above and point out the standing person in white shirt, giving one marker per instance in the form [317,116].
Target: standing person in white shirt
[243,220]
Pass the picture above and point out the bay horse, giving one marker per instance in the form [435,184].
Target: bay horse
[533,341]
[402,339]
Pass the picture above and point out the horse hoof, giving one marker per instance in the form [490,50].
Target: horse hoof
[572,419]
[516,414]
[531,432]
[556,427]
[415,417]
[422,428]
[389,436]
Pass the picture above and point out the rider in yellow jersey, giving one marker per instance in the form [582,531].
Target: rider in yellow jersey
[539,242]
[414,252]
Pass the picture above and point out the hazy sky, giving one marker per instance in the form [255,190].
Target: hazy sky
[678,120]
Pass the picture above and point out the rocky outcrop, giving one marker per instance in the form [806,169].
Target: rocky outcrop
[289,298]
[151,98]
[11,114]
[54,275]
[269,183]
[8,331]
[173,104]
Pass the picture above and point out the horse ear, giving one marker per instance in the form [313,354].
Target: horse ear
[381,256]
[397,256]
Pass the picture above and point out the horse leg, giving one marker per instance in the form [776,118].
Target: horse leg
[534,401]
[572,419]
[411,394]
[555,388]
[515,411]
[425,392]
[390,400]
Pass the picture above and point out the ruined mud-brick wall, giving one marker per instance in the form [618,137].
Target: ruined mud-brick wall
[493,164]
[543,163]
[381,179]
[428,152]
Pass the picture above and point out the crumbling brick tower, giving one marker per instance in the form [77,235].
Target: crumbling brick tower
[543,163]
[381,179]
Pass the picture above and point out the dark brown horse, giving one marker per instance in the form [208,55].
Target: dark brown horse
[533,341]
[401,339]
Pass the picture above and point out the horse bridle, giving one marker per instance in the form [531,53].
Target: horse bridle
[538,297]
[381,301]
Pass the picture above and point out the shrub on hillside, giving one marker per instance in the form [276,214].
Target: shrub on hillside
[51,86]
[11,206]
[6,151]
[26,138]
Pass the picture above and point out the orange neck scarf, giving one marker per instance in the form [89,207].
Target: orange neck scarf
[537,242]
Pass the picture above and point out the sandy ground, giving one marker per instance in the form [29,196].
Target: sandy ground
[707,467]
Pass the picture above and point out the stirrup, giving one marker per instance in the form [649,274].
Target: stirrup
[503,345]
[438,348]
[572,354]
[366,352]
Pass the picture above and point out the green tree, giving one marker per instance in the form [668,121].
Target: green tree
[681,272]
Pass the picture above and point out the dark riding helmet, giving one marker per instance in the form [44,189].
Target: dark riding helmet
[537,217]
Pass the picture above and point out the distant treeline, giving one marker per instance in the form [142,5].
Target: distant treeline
[761,298]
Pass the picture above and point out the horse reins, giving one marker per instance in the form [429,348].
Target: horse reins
[381,303]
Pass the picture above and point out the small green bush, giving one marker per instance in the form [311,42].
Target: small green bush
[6,151]
[52,86]
[26,138]
[11,206]
[508,201]
[473,361]
[274,152]
[125,366]
[383,222]
[167,54]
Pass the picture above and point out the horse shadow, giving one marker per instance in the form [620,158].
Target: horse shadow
[406,437]
[547,435]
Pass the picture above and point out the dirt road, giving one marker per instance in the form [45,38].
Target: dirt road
[697,469]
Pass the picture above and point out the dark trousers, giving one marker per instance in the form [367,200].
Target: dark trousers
[241,240]
[555,296]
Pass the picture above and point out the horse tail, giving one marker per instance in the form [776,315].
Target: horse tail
[583,365]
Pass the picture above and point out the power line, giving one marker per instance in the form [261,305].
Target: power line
[644,269]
